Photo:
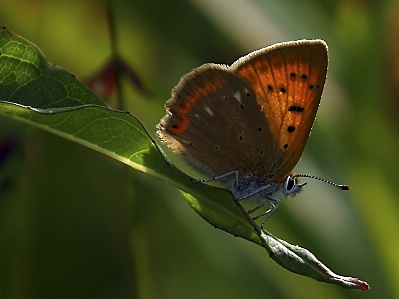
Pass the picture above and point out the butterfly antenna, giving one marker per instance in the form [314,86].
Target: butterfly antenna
[342,187]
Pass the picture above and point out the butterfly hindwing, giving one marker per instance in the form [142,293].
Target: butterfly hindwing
[216,123]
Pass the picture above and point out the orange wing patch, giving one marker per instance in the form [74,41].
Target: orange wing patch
[288,83]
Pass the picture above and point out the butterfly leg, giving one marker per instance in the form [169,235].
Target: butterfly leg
[274,203]
[256,208]
[263,188]
[219,177]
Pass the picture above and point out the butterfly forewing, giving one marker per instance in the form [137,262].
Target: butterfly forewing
[288,81]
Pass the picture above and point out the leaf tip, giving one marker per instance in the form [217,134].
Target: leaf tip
[363,286]
[355,283]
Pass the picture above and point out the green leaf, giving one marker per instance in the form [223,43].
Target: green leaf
[49,97]
[303,262]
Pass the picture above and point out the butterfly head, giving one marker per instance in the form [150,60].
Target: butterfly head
[291,185]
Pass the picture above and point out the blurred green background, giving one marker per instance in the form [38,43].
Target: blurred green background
[76,224]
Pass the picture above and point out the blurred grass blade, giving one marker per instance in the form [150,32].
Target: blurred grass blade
[49,97]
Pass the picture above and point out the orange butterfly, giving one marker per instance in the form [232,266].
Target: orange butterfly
[246,125]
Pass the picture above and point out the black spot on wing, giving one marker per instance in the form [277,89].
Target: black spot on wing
[296,108]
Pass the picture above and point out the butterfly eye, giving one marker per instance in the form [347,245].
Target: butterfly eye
[290,185]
